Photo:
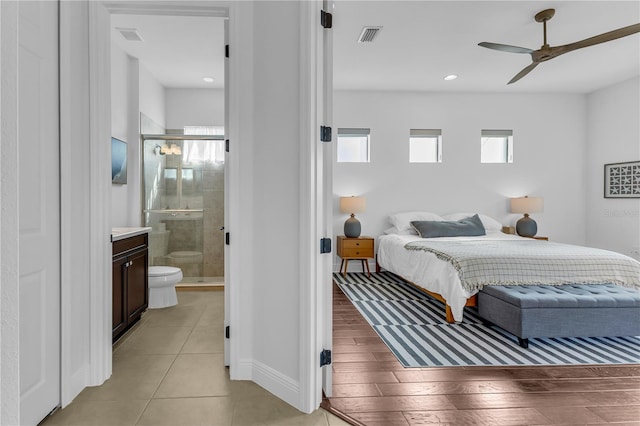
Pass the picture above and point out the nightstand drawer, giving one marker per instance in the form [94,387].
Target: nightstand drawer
[357,252]
[362,244]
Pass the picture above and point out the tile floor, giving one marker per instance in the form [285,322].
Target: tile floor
[169,370]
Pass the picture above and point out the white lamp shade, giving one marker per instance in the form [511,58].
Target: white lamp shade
[353,204]
[527,205]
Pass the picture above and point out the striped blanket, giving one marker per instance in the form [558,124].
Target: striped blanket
[531,262]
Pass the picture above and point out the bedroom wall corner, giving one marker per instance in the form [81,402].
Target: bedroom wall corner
[613,136]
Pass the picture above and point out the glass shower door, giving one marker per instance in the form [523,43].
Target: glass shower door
[184,204]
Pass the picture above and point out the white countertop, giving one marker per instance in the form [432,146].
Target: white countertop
[126,232]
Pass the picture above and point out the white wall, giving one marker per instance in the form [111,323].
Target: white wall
[120,113]
[194,107]
[613,136]
[152,97]
[272,153]
[133,90]
[549,157]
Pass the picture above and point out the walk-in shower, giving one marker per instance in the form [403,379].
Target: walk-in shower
[183,202]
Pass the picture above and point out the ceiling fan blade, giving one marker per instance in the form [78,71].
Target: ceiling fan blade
[505,47]
[601,38]
[524,72]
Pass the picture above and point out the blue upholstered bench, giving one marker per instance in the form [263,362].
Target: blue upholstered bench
[569,310]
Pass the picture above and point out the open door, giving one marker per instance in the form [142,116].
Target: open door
[325,217]
[227,266]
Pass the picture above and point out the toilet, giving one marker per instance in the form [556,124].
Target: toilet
[162,286]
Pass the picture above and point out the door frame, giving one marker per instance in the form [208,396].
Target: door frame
[313,195]
[100,130]
[315,205]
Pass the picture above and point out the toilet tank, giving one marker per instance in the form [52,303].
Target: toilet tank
[158,245]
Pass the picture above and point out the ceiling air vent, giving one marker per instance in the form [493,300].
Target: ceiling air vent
[368,34]
[130,34]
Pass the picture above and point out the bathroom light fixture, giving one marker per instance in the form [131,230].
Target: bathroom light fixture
[208,79]
[451,77]
[171,150]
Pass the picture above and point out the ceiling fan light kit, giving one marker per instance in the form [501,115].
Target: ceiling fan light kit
[547,52]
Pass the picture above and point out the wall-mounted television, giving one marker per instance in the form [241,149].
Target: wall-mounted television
[118,161]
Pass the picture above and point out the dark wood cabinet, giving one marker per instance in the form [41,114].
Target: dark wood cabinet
[130,282]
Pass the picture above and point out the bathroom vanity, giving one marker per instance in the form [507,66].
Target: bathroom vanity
[130,250]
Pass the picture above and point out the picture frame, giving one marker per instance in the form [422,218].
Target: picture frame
[622,180]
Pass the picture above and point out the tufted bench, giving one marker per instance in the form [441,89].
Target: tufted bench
[562,311]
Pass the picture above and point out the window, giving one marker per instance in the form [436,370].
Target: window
[353,145]
[204,151]
[425,146]
[496,146]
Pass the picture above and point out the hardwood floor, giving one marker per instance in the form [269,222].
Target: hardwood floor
[371,387]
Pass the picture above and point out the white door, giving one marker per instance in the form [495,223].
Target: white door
[39,209]
[325,163]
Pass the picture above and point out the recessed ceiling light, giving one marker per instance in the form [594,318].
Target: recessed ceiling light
[208,79]
[451,77]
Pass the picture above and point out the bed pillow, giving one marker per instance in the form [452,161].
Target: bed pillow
[489,223]
[402,221]
[396,231]
[467,227]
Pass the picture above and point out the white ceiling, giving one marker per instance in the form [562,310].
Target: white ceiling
[178,50]
[420,43]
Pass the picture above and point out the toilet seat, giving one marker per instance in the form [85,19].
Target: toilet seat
[164,272]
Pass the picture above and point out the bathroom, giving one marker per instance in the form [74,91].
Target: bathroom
[173,123]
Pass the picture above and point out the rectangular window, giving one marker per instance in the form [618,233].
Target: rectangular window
[425,146]
[204,151]
[353,145]
[496,146]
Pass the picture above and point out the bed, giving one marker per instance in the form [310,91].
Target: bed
[435,267]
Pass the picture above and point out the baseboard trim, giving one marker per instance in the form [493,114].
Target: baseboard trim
[278,384]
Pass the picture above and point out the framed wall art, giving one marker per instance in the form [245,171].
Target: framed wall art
[622,180]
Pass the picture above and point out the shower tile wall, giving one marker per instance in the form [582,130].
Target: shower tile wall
[213,188]
[194,232]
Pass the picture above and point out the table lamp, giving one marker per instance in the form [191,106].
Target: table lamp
[352,205]
[527,227]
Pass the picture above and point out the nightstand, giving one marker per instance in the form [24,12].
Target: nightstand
[360,248]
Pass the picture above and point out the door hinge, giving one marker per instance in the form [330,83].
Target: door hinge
[226,50]
[325,133]
[326,19]
[325,357]
[226,145]
[226,238]
[325,245]
[226,332]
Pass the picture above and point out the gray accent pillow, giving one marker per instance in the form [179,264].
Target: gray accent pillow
[467,227]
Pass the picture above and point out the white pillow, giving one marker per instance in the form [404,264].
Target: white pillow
[489,223]
[394,230]
[402,221]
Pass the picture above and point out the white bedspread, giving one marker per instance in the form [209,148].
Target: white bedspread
[426,270]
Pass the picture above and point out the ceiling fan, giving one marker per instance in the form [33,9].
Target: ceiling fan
[547,52]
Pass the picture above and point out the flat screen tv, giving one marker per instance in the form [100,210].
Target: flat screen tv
[118,161]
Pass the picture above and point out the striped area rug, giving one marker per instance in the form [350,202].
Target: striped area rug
[412,325]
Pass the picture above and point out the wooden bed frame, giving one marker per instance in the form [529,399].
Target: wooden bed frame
[472,301]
